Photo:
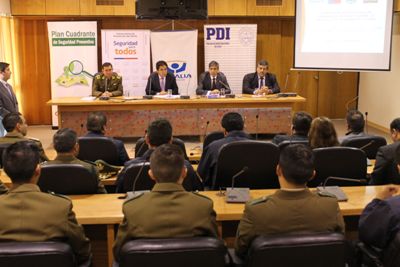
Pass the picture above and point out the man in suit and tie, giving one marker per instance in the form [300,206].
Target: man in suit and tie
[212,81]
[261,82]
[161,80]
[8,100]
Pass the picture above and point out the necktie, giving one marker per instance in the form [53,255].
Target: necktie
[162,84]
[213,85]
[261,82]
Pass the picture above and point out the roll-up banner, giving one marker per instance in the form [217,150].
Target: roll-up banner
[233,46]
[179,50]
[73,59]
[129,53]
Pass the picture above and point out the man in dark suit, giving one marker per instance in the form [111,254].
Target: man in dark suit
[8,100]
[385,170]
[212,81]
[261,82]
[96,126]
[233,124]
[161,80]
[355,125]
[159,132]
[301,123]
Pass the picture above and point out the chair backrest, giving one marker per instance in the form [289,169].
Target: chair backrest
[261,159]
[316,250]
[211,137]
[2,148]
[391,255]
[177,252]
[346,162]
[30,254]
[369,144]
[285,143]
[67,179]
[143,182]
[94,148]
[141,147]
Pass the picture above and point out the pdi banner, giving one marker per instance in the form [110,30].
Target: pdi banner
[233,46]
[179,50]
[73,59]
[129,53]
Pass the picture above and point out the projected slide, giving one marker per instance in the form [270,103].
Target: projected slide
[343,34]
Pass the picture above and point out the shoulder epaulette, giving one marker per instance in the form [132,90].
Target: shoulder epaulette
[33,139]
[325,194]
[98,76]
[258,200]
[58,195]
[130,198]
[200,195]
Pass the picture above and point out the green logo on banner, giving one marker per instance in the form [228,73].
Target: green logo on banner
[74,41]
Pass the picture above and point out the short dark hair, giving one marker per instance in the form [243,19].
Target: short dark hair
[263,62]
[159,132]
[166,163]
[213,63]
[96,121]
[64,140]
[232,121]
[297,163]
[395,125]
[106,64]
[355,121]
[11,120]
[302,122]
[3,66]
[20,160]
[160,64]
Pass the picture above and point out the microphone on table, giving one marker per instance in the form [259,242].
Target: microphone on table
[238,194]
[336,190]
[137,153]
[226,87]
[135,193]
[187,96]
[257,116]
[366,122]
[148,96]
[205,130]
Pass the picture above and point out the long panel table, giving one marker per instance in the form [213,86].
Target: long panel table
[106,210]
[194,116]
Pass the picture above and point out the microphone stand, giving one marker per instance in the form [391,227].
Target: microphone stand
[237,195]
[336,190]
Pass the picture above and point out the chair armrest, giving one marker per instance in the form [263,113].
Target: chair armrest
[371,254]
[235,259]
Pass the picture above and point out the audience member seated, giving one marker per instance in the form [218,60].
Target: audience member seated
[355,125]
[168,210]
[301,123]
[385,169]
[27,214]
[65,143]
[17,129]
[159,132]
[322,133]
[96,126]
[233,124]
[293,208]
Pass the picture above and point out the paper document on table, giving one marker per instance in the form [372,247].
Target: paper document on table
[88,98]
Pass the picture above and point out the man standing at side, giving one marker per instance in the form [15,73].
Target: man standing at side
[168,211]
[301,123]
[107,83]
[161,80]
[8,100]
[385,169]
[27,214]
[212,81]
[293,208]
[261,82]
[233,125]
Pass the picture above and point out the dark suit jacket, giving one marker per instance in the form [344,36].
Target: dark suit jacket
[122,154]
[385,170]
[7,103]
[153,84]
[250,83]
[279,138]
[205,83]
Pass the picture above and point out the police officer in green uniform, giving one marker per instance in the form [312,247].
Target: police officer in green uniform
[17,128]
[168,210]
[293,208]
[107,83]
[65,142]
[27,214]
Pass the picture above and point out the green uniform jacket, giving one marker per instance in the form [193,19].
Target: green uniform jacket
[114,85]
[70,159]
[30,215]
[287,212]
[167,211]
[11,138]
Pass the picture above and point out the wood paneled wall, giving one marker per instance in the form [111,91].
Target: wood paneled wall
[326,92]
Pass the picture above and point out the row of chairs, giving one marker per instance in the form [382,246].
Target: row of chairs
[287,250]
